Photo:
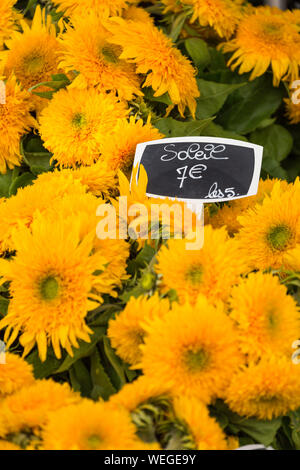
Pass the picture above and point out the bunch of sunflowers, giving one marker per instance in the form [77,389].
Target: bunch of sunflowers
[140,344]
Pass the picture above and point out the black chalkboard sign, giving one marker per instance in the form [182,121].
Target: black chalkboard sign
[205,169]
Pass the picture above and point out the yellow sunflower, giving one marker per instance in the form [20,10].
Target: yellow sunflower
[168,71]
[203,429]
[266,38]
[271,229]
[227,215]
[193,350]
[292,111]
[127,331]
[292,259]
[87,49]
[89,426]
[211,271]
[137,14]
[33,55]
[267,318]
[222,15]
[52,277]
[6,19]
[15,120]
[6,445]
[14,374]
[73,125]
[265,390]
[98,178]
[20,209]
[142,391]
[30,406]
[119,148]
[101,7]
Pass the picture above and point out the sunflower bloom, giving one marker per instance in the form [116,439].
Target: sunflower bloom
[194,350]
[271,229]
[222,15]
[74,123]
[168,71]
[211,271]
[6,19]
[88,50]
[33,55]
[228,214]
[89,426]
[266,38]
[119,148]
[14,374]
[265,390]
[204,430]
[29,408]
[52,276]
[267,318]
[127,332]
[15,120]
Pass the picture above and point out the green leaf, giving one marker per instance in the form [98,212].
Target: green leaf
[44,369]
[272,167]
[20,182]
[276,140]
[115,362]
[4,303]
[81,379]
[213,96]
[35,155]
[177,25]
[214,130]
[172,128]
[143,259]
[84,350]
[102,385]
[5,183]
[198,51]
[261,431]
[248,106]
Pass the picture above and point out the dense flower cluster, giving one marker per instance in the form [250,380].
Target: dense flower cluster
[136,342]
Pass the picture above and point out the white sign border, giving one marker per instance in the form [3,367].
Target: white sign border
[258,154]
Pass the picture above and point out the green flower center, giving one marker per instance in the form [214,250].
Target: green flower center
[195,275]
[34,63]
[109,54]
[94,441]
[196,360]
[49,288]
[272,320]
[279,236]
[79,120]
[272,28]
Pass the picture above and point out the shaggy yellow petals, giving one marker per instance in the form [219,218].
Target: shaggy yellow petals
[98,178]
[228,214]
[168,71]
[127,331]
[266,39]
[204,430]
[140,392]
[292,259]
[267,318]
[271,229]
[6,19]
[119,148]
[100,7]
[52,276]
[15,120]
[88,50]
[15,373]
[75,122]
[222,15]
[6,445]
[265,390]
[33,54]
[89,426]
[211,271]
[194,350]
[29,408]
[21,208]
